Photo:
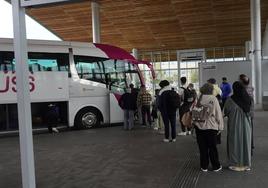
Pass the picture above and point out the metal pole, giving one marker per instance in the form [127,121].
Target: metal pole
[23,96]
[257,51]
[95,21]
[179,67]
[153,65]
[252,20]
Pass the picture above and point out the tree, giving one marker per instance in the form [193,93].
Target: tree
[194,76]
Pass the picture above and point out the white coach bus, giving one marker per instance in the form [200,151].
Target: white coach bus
[84,80]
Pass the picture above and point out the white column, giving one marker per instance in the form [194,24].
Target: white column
[135,53]
[256,19]
[23,96]
[248,48]
[252,22]
[95,21]
[265,42]
[179,67]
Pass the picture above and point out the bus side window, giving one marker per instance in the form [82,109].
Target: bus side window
[5,69]
[49,61]
[90,68]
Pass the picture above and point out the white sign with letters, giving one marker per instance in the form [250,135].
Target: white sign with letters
[43,86]
[26,3]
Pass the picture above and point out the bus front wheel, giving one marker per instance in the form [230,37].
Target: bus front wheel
[87,118]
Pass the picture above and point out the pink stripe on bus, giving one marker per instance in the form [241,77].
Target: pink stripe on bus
[114,52]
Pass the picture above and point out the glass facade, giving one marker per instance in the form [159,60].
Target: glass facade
[171,64]
[167,67]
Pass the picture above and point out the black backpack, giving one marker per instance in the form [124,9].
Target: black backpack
[188,95]
[173,100]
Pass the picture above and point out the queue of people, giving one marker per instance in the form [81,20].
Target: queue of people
[204,114]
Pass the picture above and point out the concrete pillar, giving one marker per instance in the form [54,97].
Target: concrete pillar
[256,43]
[252,22]
[95,21]
[265,42]
[248,48]
[257,51]
[23,96]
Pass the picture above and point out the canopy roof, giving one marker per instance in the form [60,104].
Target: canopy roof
[155,24]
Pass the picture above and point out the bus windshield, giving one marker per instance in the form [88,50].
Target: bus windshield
[116,74]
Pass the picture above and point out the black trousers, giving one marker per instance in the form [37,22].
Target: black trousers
[52,120]
[207,143]
[146,112]
[169,119]
[223,100]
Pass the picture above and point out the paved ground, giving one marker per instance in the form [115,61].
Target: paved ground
[111,157]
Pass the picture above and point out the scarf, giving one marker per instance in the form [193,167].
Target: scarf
[241,97]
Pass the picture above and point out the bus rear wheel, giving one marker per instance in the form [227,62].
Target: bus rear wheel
[87,118]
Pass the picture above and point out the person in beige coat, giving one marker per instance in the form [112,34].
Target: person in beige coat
[207,128]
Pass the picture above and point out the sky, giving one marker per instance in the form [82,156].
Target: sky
[33,29]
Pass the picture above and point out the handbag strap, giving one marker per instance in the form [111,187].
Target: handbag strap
[198,104]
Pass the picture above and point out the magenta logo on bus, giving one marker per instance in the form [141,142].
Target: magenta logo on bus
[10,81]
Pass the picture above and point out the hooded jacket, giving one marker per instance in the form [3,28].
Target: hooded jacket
[215,120]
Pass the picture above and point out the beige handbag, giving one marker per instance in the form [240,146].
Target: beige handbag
[187,119]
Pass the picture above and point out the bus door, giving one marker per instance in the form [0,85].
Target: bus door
[117,85]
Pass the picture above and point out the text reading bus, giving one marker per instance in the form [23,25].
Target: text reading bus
[84,80]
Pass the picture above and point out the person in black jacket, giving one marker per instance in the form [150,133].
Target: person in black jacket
[128,103]
[52,117]
[167,110]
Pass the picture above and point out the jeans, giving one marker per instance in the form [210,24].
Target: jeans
[159,121]
[169,119]
[128,119]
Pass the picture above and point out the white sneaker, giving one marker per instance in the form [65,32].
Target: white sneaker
[217,170]
[156,128]
[189,132]
[204,170]
[173,140]
[165,140]
[55,130]
[182,134]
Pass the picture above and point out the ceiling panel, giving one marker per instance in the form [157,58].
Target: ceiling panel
[155,24]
